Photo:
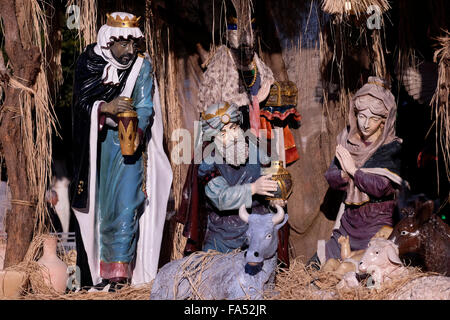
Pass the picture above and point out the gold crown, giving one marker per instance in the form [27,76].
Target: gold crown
[122,23]
[219,113]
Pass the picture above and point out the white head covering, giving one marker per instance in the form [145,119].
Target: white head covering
[108,33]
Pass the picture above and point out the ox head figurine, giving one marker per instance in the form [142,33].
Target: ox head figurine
[262,234]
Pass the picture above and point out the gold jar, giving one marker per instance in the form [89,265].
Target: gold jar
[128,123]
[283,178]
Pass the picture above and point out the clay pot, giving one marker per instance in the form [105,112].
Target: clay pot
[11,284]
[2,253]
[55,270]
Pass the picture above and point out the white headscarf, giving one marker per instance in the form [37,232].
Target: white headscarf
[104,36]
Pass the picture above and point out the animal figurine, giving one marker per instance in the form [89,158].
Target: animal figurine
[227,276]
[425,236]
[350,259]
[348,281]
[381,260]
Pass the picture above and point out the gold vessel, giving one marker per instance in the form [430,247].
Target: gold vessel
[284,179]
[128,123]
[282,93]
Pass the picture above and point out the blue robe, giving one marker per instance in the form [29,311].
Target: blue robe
[120,198]
[226,193]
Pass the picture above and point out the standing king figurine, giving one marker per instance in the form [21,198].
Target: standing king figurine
[120,228]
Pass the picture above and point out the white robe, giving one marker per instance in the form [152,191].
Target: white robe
[158,183]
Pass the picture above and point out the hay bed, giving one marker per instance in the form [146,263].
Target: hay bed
[302,283]
[295,283]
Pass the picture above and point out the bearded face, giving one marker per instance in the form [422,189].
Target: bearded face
[241,40]
[124,50]
[231,145]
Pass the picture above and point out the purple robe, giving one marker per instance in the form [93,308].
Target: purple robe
[361,223]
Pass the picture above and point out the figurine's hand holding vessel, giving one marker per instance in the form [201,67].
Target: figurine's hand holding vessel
[264,185]
[116,106]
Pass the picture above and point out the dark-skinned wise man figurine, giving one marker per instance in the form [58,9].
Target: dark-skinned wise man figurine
[119,209]
[236,74]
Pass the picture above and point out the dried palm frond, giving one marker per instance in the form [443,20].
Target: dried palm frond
[353,7]
[158,38]
[440,100]
[346,40]
[87,28]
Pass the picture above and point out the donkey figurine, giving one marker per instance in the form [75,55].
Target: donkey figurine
[423,235]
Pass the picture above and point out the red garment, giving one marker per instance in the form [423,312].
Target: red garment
[291,153]
[254,116]
[114,270]
[192,213]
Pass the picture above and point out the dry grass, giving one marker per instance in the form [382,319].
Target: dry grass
[36,113]
[302,283]
[88,21]
[158,40]
[296,283]
[336,46]
[37,289]
[126,293]
[440,100]
[357,7]
[192,270]
[33,270]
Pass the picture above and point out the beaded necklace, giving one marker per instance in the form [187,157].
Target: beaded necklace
[253,76]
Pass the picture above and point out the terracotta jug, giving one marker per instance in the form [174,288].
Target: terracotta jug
[11,283]
[55,271]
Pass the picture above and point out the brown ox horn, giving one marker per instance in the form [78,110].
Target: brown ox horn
[279,216]
[243,214]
